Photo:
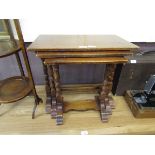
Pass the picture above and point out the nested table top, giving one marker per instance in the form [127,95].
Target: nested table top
[81,43]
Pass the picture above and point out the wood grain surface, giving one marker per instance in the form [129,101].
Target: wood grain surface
[91,53]
[14,88]
[16,119]
[106,60]
[80,42]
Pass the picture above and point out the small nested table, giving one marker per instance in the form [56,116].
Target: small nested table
[80,49]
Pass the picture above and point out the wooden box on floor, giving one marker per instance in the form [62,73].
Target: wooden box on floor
[138,111]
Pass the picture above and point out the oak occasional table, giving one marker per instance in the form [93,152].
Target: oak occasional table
[80,49]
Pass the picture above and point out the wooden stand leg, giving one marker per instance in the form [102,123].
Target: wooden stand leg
[19,64]
[37,101]
[59,99]
[53,92]
[104,102]
[25,56]
[47,88]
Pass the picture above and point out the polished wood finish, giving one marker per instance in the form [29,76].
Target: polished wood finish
[69,88]
[53,107]
[21,43]
[56,78]
[81,106]
[47,88]
[81,87]
[51,80]
[105,105]
[85,60]
[14,89]
[83,49]
[59,98]
[92,53]
[22,46]
[81,43]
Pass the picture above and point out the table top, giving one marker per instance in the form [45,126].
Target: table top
[80,43]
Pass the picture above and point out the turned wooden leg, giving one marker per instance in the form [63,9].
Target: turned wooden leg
[105,103]
[59,116]
[53,92]
[59,99]
[47,89]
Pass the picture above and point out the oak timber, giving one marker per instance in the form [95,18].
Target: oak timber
[81,43]
[86,60]
[91,53]
[115,49]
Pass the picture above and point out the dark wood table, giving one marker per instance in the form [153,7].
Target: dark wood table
[80,49]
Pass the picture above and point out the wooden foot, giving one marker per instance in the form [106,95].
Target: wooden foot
[59,120]
[37,101]
[105,109]
[48,105]
[111,102]
[59,116]
[54,108]
[34,109]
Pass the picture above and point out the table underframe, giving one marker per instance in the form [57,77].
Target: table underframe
[54,101]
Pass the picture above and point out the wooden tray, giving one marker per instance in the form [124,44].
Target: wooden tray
[138,111]
[14,89]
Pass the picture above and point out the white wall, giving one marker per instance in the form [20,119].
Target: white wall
[133,20]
